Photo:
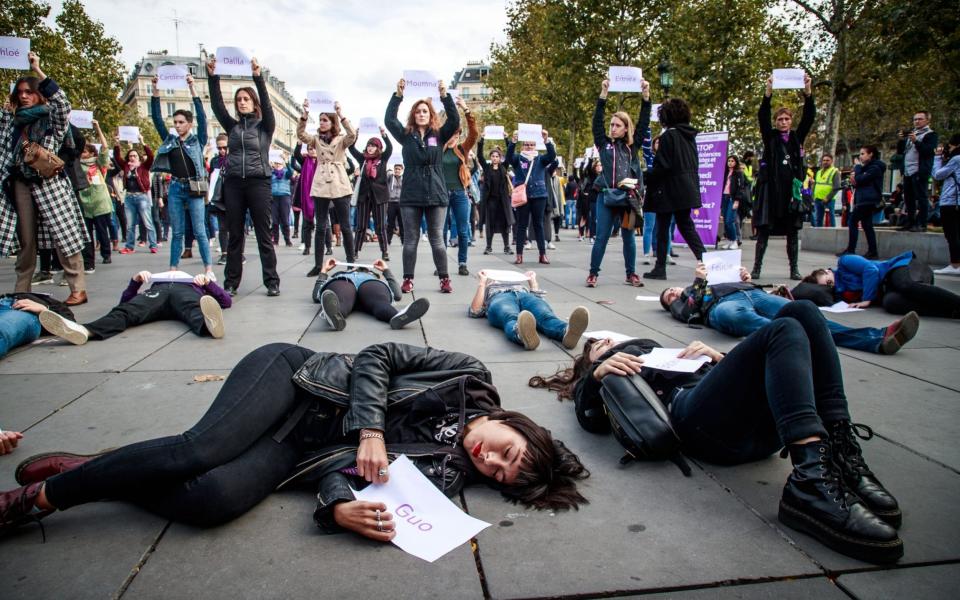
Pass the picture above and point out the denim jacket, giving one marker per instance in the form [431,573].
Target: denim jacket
[169,149]
[280,186]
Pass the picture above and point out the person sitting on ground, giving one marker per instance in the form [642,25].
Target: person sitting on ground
[373,291]
[901,284]
[518,308]
[739,309]
[287,414]
[19,318]
[174,295]
[782,387]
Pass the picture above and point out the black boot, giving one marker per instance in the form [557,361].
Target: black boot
[815,502]
[793,255]
[857,476]
[759,251]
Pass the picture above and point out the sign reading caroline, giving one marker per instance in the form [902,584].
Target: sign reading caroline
[428,524]
[712,154]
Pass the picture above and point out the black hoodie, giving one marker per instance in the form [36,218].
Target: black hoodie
[675,172]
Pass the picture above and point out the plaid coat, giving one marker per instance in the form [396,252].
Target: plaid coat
[60,223]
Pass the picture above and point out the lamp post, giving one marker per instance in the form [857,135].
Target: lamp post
[666,76]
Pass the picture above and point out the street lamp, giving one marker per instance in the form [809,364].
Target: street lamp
[666,76]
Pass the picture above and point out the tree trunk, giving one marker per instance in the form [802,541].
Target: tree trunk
[572,151]
[838,87]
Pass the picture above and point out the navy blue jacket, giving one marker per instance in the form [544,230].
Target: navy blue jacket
[536,186]
[869,178]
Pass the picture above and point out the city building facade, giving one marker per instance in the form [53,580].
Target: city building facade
[471,82]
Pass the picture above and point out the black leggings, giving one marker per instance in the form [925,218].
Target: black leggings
[862,215]
[366,209]
[686,228]
[217,470]
[373,298]
[903,294]
[341,209]
[531,213]
[950,219]
[162,302]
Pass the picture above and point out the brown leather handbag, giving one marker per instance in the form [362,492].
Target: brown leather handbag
[41,160]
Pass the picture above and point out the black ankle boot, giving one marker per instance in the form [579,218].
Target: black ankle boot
[857,476]
[815,502]
[793,256]
[759,251]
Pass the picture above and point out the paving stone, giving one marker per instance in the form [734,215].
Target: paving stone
[920,583]
[22,407]
[798,589]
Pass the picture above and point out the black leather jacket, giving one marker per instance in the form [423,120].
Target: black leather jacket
[379,388]
[248,137]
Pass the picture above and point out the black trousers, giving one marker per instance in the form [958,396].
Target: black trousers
[686,228]
[162,302]
[100,224]
[241,195]
[915,197]
[280,217]
[903,294]
[950,220]
[365,210]
[223,230]
[372,297]
[394,221]
[341,209]
[217,470]
[862,215]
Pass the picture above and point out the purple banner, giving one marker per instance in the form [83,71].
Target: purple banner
[712,152]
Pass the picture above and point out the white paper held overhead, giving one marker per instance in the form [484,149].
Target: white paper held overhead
[13,53]
[788,79]
[233,61]
[625,79]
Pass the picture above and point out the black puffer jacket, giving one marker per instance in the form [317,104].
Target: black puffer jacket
[423,183]
[249,138]
[675,171]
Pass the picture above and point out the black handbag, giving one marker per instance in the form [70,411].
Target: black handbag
[198,186]
[640,422]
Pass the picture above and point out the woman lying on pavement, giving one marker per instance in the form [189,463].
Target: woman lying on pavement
[782,386]
[287,414]
[372,291]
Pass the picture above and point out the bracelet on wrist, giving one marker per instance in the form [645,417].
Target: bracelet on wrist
[366,435]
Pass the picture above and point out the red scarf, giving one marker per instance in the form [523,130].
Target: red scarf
[372,161]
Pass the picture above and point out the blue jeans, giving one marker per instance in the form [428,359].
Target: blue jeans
[606,219]
[821,209]
[570,214]
[179,200]
[17,327]
[742,313]
[137,206]
[505,307]
[730,219]
[459,213]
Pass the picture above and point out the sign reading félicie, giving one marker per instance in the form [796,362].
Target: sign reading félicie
[82,119]
[427,523]
[173,77]
[625,79]
[13,53]
[321,102]
[232,61]
[788,79]
[530,132]
[723,266]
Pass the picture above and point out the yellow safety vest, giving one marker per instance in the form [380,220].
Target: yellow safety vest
[823,184]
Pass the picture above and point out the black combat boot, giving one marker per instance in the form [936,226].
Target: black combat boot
[857,476]
[793,255]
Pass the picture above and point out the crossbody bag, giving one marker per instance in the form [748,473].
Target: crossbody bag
[518,197]
[198,186]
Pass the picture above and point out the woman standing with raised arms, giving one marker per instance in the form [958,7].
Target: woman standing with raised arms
[247,176]
[423,192]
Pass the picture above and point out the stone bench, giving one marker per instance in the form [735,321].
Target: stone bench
[929,247]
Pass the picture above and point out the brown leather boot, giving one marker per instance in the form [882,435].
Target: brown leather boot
[76,298]
[16,507]
[41,467]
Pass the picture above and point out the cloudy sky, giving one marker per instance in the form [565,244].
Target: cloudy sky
[357,50]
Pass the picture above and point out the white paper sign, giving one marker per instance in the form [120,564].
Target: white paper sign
[625,79]
[602,334]
[723,266]
[591,152]
[505,276]
[655,113]
[840,307]
[648,298]
[82,119]
[212,186]
[529,132]
[438,105]
[129,133]
[577,162]
[320,102]
[351,265]
[428,524]
[13,53]
[171,276]
[276,156]
[369,126]
[174,77]
[788,79]
[666,359]
[233,61]
[493,132]
[420,84]
[98,146]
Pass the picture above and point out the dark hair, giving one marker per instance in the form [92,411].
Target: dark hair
[548,470]
[334,124]
[564,381]
[88,147]
[126,156]
[655,144]
[497,150]
[736,161]
[34,84]
[874,152]
[432,124]
[955,142]
[812,277]
[825,155]
[748,155]
[674,112]
[663,299]
[186,114]
[253,96]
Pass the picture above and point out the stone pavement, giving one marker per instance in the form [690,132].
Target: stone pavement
[647,530]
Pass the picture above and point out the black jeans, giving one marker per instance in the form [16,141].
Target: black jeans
[950,220]
[241,195]
[915,197]
[436,215]
[903,294]
[531,212]
[341,209]
[280,218]
[686,228]
[779,385]
[162,302]
[100,225]
[394,221]
[223,231]
[372,297]
[862,215]
[218,469]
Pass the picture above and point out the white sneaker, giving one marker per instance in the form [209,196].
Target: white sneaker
[64,328]
[212,316]
[948,270]
[424,238]
[552,246]
[301,247]
[528,245]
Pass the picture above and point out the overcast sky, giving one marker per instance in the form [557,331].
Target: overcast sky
[358,50]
